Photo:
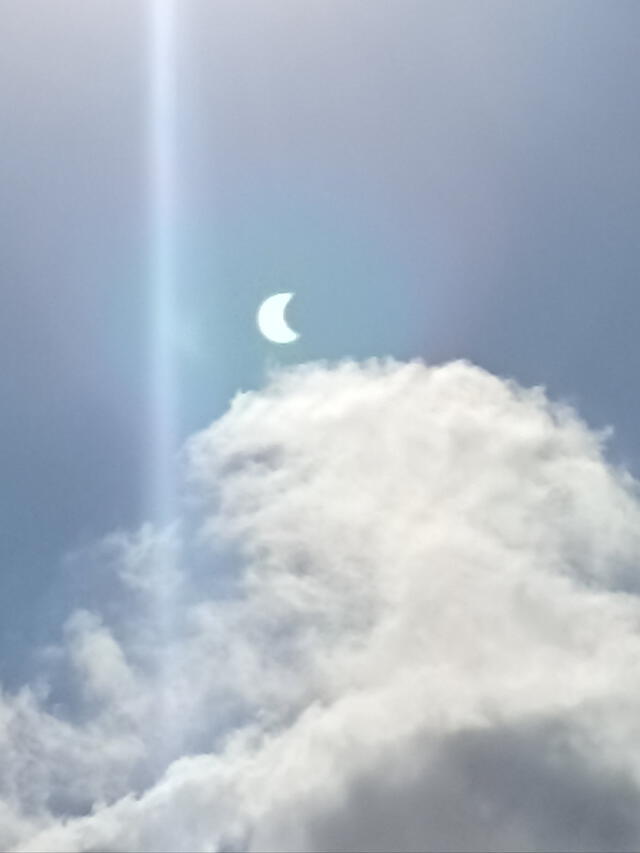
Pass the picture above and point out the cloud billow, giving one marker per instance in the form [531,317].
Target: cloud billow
[429,636]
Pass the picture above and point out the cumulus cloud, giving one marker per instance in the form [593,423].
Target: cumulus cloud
[399,611]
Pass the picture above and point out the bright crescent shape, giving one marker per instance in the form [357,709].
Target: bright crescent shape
[271,319]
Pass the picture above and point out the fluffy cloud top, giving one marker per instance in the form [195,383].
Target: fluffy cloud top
[400,611]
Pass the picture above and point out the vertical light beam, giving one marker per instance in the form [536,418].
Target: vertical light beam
[162,296]
[163,413]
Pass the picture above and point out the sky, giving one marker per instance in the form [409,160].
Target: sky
[382,515]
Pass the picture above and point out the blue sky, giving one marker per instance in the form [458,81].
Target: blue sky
[432,179]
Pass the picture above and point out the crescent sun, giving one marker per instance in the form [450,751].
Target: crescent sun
[271,319]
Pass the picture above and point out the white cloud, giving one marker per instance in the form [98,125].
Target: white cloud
[403,614]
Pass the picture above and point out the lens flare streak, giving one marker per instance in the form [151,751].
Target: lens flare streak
[162,295]
[163,402]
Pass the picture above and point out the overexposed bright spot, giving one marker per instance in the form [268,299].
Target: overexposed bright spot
[271,319]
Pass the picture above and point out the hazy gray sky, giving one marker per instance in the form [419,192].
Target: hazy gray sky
[438,180]
[432,179]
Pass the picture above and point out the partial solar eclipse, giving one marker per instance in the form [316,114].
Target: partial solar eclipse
[272,321]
